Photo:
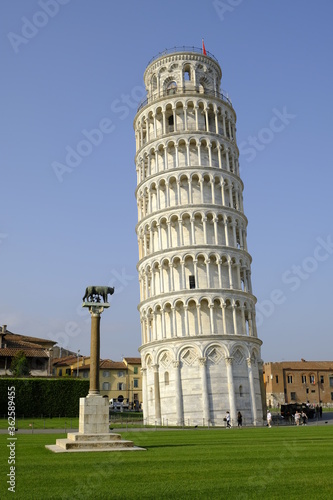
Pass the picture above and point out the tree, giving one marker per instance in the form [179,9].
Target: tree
[20,366]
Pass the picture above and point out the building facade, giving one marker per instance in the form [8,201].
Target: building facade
[38,352]
[117,379]
[200,351]
[299,382]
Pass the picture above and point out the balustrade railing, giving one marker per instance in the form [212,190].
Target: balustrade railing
[184,48]
[180,91]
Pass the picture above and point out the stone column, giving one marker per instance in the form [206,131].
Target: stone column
[185,118]
[204,227]
[157,395]
[205,399]
[219,155]
[199,319]
[145,394]
[210,154]
[216,235]
[227,159]
[95,312]
[231,391]
[234,316]
[186,321]
[223,319]
[252,391]
[94,409]
[211,317]
[178,394]
[174,322]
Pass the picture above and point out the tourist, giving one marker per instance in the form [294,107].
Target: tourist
[269,418]
[239,419]
[320,411]
[297,417]
[227,418]
[304,417]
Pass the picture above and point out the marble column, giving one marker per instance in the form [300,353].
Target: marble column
[157,397]
[252,391]
[145,395]
[205,398]
[231,391]
[178,394]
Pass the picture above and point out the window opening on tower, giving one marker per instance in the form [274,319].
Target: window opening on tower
[192,281]
[170,123]
[172,88]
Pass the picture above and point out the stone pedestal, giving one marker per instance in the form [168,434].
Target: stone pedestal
[94,415]
[76,442]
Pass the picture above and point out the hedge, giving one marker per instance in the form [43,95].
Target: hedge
[35,397]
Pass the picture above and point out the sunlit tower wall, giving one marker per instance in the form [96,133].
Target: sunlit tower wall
[200,352]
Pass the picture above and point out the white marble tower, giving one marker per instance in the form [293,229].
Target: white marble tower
[200,352]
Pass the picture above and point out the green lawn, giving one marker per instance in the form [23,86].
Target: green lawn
[289,462]
[117,420]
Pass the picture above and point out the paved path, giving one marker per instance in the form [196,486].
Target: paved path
[327,419]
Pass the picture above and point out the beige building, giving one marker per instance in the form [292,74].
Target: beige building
[299,381]
[117,379]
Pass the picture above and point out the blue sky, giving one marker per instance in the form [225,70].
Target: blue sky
[70,67]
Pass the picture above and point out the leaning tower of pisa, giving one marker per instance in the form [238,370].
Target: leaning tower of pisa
[200,351]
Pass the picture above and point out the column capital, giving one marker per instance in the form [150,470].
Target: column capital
[176,364]
[229,361]
[250,362]
[96,309]
[202,361]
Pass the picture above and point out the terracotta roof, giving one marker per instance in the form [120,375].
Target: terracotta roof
[68,360]
[30,353]
[107,364]
[21,343]
[116,365]
[26,338]
[14,343]
[133,361]
[303,365]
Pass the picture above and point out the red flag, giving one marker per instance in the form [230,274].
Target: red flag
[203,48]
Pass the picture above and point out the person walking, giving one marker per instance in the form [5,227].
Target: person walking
[227,418]
[239,419]
[269,418]
[304,417]
[297,417]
